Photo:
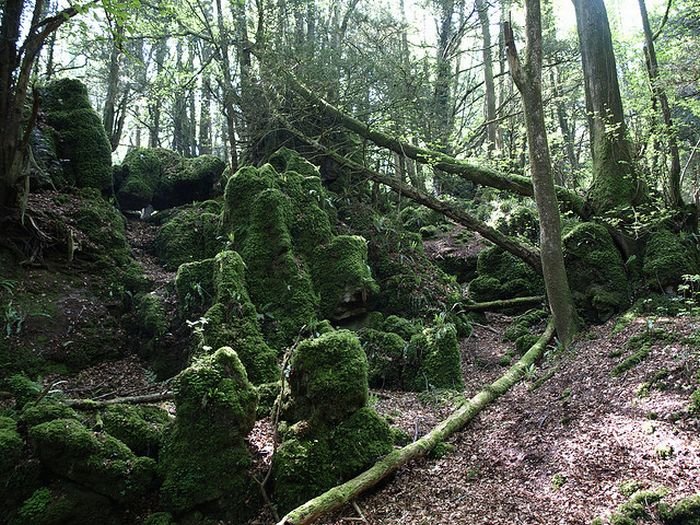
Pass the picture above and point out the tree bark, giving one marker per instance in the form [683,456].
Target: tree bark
[489,84]
[528,79]
[338,496]
[615,182]
[673,186]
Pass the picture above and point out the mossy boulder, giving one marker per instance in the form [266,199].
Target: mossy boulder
[385,357]
[45,410]
[401,326]
[433,360]
[65,503]
[596,272]
[152,320]
[307,466]
[503,276]
[521,330]
[521,222]
[80,139]
[667,259]
[685,512]
[164,179]
[343,277]
[96,460]
[189,235]
[11,449]
[194,284]
[140,428]
[328,377]
[205,456]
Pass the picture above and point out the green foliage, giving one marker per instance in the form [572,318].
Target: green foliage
[328,377]
[520,222]
[150,314]
[80,137]
[194,284]
[685,512]
[596,272]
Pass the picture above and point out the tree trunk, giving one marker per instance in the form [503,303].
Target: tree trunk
[338,496]
[615,182]
[673,187]
[528,79]
[110,107]
[155,100]
[489,85]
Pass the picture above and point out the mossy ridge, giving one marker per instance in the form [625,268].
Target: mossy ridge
[596,271]
[140,428]
[385,357]
[666,259]
[151,318]
[194,284]
[98,461]
[205,456]
[189,235]
[80,137]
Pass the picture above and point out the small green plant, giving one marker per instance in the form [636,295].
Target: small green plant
[13,319]
[664,451]
[558,481]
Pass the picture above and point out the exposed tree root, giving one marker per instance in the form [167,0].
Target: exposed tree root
[338,496]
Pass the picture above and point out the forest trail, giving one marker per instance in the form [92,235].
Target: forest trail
[558,454]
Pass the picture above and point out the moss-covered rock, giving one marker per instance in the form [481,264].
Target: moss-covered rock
[342,277]
[596,272]
[666,260]
[401,326]
[152,320]
[165,179]
[328,377]
[190,234]
[80,138]
[138,427]
[385,357]
[22,388]
[503,276]
[433,360]
[46,410]
[685,512]
[65,503]
[95,460]
[11,448]
[194,284]
[307,466]
[521,330]
[205,457]
[521,222]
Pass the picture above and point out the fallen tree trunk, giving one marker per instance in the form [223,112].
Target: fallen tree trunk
[526,252]
[477,174]
[503,304]
[338,496]
[89,404]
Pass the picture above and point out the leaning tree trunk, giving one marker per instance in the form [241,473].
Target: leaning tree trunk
[338,496]
[528,79]
[614,178]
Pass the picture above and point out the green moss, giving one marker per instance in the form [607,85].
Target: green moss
[151,317]
[205,456]
[267,395]
[666,260]
[138,427]
[159,518]
[342,276]
[629,487]
[596,272]
[285,159]
[521,222]
[415,218]
[685,512]
[194,284]
[384,352]
[278,282]
[400,326]
[191,234]
[328,377]
[80,137]
[64,503]
[433,360]
[503,276]
[11,447]
[46,410]
[70,450]
[23,389]
[308,466]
